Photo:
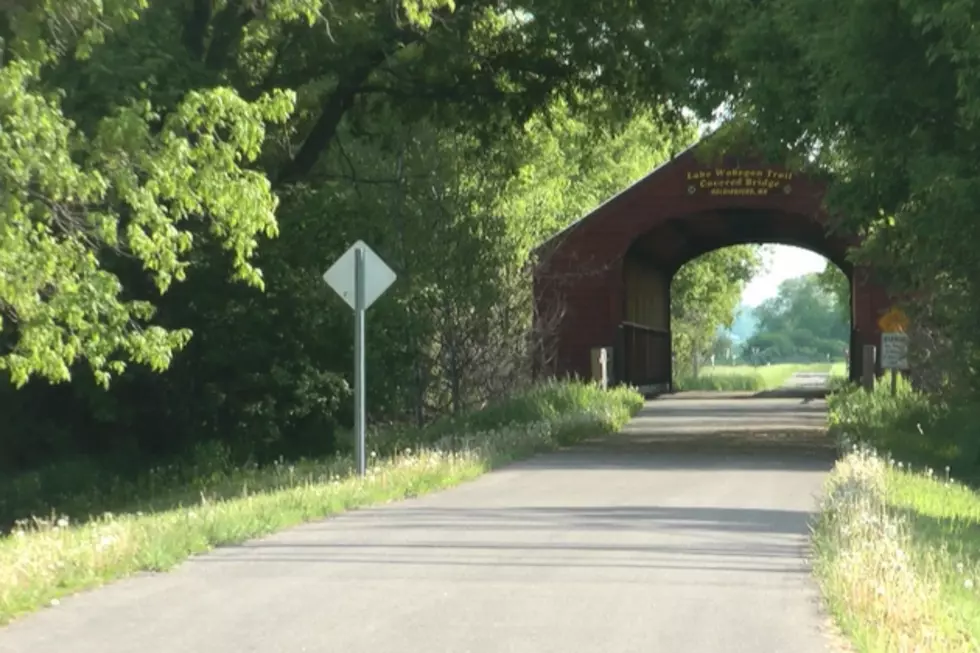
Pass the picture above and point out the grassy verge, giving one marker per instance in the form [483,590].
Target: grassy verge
[897,543]
[43,560]
[747,378]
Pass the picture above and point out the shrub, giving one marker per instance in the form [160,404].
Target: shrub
[911,426]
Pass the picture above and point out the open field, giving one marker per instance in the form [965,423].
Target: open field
[751,378]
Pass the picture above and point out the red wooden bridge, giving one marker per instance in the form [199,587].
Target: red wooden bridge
[609,273]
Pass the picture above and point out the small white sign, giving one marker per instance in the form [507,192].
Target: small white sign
[377,275]
[894,351]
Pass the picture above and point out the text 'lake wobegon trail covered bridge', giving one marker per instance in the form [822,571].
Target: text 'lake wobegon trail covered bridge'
[609,274]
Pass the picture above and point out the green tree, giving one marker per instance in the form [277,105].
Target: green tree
[452,205]
[161,125]
[835,283]
[158,145]
[723,348]
[141,184]
[803,322]
[705,294]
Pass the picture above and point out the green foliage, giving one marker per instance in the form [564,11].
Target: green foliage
[140,185]
[745,324]
[546,402]
[213,503]
[944,523]
[705,294]
[740,378]
[803,322]
[896,555]
[177,137]
[708,380]
[837,287]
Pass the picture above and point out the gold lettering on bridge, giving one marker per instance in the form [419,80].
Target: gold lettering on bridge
[745,182]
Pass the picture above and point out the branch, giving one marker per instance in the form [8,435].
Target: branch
[336,106]
[196,29]
[269,81]
[349,86]
[228,26]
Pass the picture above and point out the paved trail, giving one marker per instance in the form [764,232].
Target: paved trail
[683,534]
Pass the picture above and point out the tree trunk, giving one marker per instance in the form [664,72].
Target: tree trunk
[695,362]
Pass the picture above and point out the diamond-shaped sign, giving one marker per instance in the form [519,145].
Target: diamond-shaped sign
[894,321]
[377,275]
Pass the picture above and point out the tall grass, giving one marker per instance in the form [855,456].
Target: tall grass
[746,377]
[898,539]
[884,584]
[45,558]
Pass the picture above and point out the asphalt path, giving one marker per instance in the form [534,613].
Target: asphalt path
[684,533]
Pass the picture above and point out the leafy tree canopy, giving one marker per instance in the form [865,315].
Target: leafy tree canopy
[186,171]
[137,134]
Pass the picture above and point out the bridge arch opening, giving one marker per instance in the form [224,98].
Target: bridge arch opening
[754,317]
[658,341]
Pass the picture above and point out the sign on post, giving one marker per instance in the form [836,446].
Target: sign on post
[894,344]
[359,276]
[377,276]
[894,351]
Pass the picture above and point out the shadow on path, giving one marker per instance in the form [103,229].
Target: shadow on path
[599,537]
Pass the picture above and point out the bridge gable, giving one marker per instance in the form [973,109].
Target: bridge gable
[696,202]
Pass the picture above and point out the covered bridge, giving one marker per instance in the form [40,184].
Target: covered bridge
[608,275]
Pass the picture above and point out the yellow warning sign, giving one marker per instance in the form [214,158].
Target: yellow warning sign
[894,321]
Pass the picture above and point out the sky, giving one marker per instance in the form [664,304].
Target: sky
[785,262]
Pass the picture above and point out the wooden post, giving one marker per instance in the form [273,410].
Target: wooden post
[868,367]
[894,382]
[601,359]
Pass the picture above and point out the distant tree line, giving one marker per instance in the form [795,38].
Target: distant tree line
[808,321]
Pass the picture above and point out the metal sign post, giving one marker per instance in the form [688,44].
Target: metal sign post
[359,277]
[359,412]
